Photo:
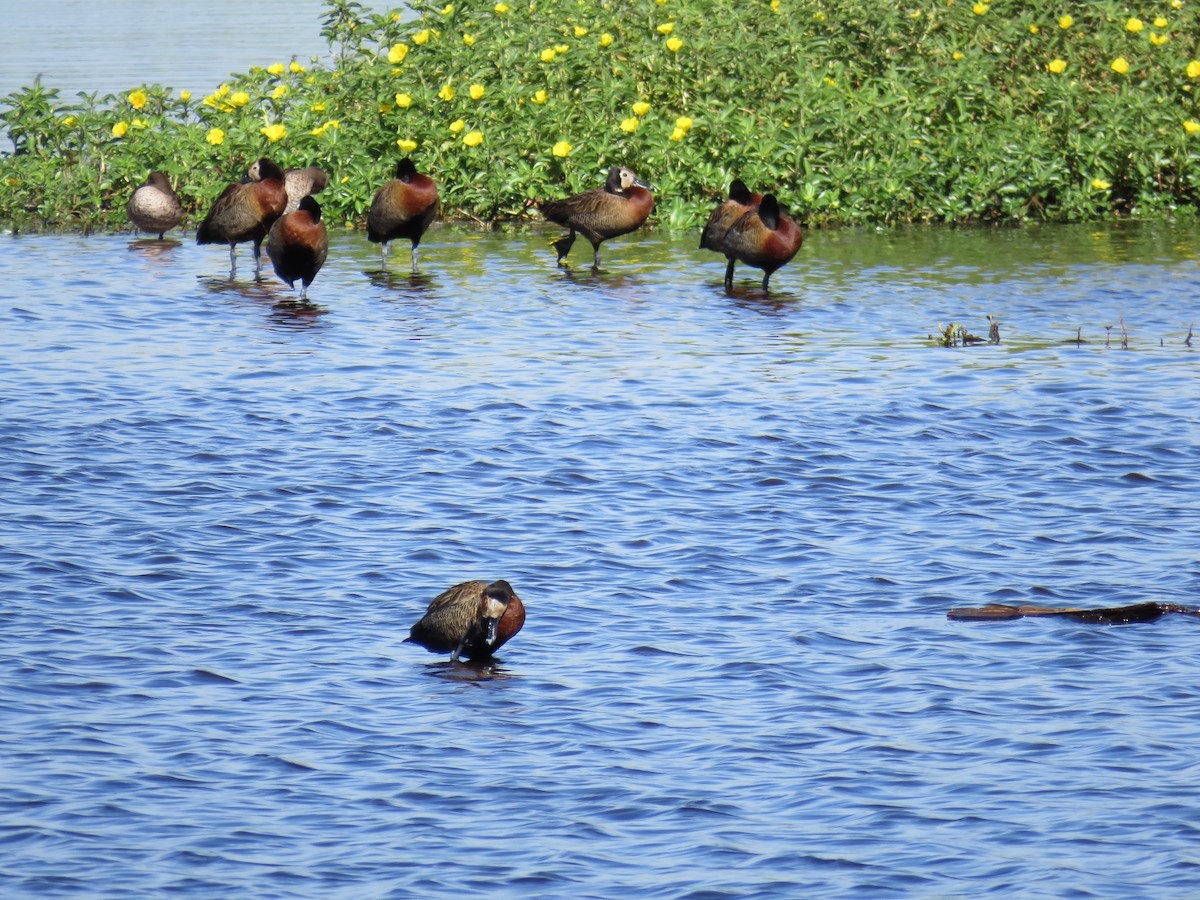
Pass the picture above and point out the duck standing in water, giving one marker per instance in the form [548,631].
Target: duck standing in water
[298,245]
[473,619]
[740,202]
[621,206]
[764,237]
[403,208]
[155,207]
[246,212]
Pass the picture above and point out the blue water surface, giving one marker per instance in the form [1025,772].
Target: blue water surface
[737,523]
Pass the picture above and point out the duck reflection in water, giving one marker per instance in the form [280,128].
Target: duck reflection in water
[473,620]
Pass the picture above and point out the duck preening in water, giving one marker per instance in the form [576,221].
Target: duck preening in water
[155,207]
[764,237]
[1113,615]
[621,206]
[246,212]
[740,201]
[403,208]
[298,244]
[300,183]
[473,619]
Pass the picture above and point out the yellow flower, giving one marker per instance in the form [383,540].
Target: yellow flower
[473,138]
[1158,39]
[1160,22]
[666,27]
[279,91]
[449,8]
[1057,66]
[241,98]
[1100,184]
[295,68]
[1065,22]
[421,37]
[561,48]
[469,39]
[539,97]
[215,136]
[580,31]
[548,55]
[476,91]
[69,121]
[641,108]
[1176,4]
[1120,65]
[1033,29]
[501,8]
[406,145]
[673,44]
[979,9]
[274,133]
[120,128]
[1191,126]
[1193,69]
[446,93]
[678,134]
[276,69]
[185,96]
[630,125]
[397,53]
[775,7]
[403,101]
[137,99]
[138,123]
[1134,25]
[606,40]
[956,55]
[457,125]
[319,106]
[562,148]
[684,124]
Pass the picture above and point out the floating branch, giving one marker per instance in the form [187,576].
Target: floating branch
[1114,615]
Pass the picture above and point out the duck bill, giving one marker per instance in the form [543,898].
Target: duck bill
[491,629]
[639,183]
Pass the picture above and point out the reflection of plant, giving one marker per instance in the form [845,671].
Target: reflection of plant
[858,112]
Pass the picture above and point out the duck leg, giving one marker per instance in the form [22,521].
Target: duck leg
[414,259]
[729,276]
[564,245]
[383,255]
[595,256]
[258,260]
[232,261]
[766,278]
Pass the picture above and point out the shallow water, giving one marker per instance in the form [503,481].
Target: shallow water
[737,523]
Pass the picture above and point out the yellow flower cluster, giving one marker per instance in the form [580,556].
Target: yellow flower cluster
[682,126]
[562,149]
[321,129]
[408,146]
[473,138]
[273,133]
[137,99]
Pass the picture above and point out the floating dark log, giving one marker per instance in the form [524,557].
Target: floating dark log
[1114,615]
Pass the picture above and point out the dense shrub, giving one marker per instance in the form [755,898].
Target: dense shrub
[851,111]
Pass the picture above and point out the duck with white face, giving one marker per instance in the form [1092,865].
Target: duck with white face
[472,620]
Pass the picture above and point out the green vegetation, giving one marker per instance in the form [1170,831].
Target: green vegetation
[852,111]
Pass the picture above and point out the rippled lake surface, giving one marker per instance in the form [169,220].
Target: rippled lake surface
[737,524]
